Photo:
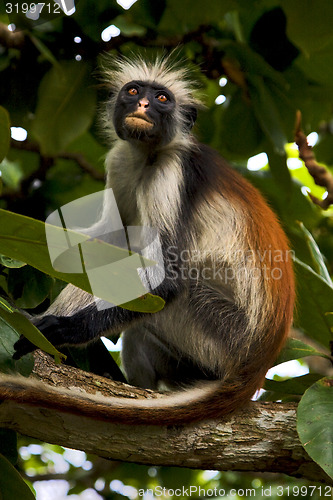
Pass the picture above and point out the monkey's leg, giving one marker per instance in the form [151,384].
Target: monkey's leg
[148,361]
[140,356]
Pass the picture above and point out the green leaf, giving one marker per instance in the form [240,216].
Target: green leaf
[250,63]
[12,485]
[309,27]
[11,174]
[129,28]
[66,106]
[28,287]
[295,385]
[13,321]
[11,263]
[24,239]
[92,150]
[296,349]
[315,302]
[4,132]
[8,336]
[317,258]
[267,112]
[238,115]
[145,13]
[190,14]
[317,68]
[280,171]
[27,162]
[315,423]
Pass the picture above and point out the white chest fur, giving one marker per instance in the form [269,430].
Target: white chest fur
[147,192]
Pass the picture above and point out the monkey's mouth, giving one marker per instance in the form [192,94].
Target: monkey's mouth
[138,121]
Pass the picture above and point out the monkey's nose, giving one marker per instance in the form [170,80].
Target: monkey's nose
[143,103]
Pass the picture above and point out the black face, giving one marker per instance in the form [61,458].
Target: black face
[145,112]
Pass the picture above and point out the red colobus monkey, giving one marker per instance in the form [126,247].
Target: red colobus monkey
[224,324]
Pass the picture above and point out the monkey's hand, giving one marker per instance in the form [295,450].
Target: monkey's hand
[54,328]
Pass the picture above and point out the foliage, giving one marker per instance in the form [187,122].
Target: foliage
[11,485]
[314,423]
[267,58]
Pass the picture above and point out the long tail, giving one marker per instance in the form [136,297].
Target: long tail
[212,400]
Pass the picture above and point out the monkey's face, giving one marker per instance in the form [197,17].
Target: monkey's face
[144,112]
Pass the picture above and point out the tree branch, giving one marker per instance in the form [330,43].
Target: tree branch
[321,176]
[261,438]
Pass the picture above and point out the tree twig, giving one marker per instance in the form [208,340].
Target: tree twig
[320,175]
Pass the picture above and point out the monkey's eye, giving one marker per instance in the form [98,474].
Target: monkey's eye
[132,91]
[162,98]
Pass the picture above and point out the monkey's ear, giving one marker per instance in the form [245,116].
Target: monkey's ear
[190,114]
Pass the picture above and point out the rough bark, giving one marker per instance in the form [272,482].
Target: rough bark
[261,438]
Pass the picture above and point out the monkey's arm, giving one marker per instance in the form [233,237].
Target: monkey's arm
[89,323]
[80,328]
